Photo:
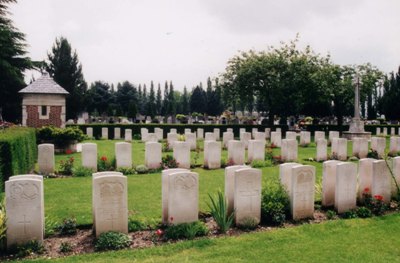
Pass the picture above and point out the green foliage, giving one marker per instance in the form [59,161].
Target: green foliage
[375,203]
[3,226]
[135,225]
[68,226]
[350,214]
[65,247]
[81,171]
[169,161]
[219,211]
[363,212]
[126,170]
[27,249]
[50,226]
[186,230]
[275,204]
[112,241]
[330,214]
[142,169]
[105,164]
[18,152]
[373,154]
[248,223]
[60,136]
[66,167]
[258,164]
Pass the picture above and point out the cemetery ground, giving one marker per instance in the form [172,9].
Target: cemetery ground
[352,240]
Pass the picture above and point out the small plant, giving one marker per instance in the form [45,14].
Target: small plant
[82,171]
[350,214]
[137,137]
[104,164]
[258,164]
[66,166]
[219,211]
[50,226]
[186,230]
[166,147]
[363,212]
[142,169]
[169,161]
[28,248]
[112,241]
[65,247]
[126,170]
[374,203]
[135,225]
[274,204]
[68,226]
[373,154]
[195,158]
[353,159]
[248,223]
[230,162]
[223,163]
[330,214]
[3,226]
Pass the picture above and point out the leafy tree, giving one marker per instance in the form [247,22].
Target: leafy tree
[98,97]
[63,65]
[126,95]
[198,100]
[391,96]
[13,63]
[185,102]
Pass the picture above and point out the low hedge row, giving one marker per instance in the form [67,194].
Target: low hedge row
[18,152]
[166,128]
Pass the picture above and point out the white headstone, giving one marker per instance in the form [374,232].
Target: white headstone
[378,144]
[212,154]
[394,145]
[364,176]
[123,154]
[226,137]
[360,147]
[230,185]
[210,136]
[392,131]
[378,131]
[289,150]
[236,152]
[171,139]
[346,187]
[267,133]
[385,131]
[152,155]
[276,139]
[110,203]
[183,197]
[253,132]
[245,137]
[117,133]
[182,154]
[173,130]
[396,174]
[290,135]
[24,209]
[333,134]
[104,133]
[191,139]
[229,130]
[242,130]
[319,135]
[285,175]
[151,137]
[339,148]
[302,193]
[381,180]
[46,158]
[89,132]
[143,134]
[247,195]
[216,134]
[89,156]
[187,130]
[200,133]
[256,150]
[305,138]
[128,135]
[329,182]
[278,130]
[259,136]
[159,133]
[322,150]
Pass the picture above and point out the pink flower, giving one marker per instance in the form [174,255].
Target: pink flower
[159,232]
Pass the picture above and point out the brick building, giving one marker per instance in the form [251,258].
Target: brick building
[43,103]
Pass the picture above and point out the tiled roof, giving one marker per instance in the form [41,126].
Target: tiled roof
[44,85]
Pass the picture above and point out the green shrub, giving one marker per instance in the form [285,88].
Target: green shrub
[112,241]
[258,164]
[169,161]
[373,154]
[68,226]
[50,226]
[3,226]
[81,171]
[219,211]
[248,223]
[275,206]
[60,136]
[65,247]
[349,214]
[375,203]
[27,249]
[126,170]
[66,166]
[186,230]
[105,164]
[142,169]
[363,212]
[330,214]
[18,152]
[136,225]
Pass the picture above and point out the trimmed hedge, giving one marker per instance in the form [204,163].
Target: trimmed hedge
[166,128]
[18,152]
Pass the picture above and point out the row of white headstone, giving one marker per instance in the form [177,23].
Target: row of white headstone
[180,200]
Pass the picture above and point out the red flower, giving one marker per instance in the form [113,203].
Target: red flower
[366,189]
[103,158]
[159,232]
[378,197]
[171,218]
[68,151]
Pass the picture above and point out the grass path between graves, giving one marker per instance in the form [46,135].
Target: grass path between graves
[356,240]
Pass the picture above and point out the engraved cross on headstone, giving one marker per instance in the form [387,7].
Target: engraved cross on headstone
[303,197]
[25,222]
[113,219]
[249,193]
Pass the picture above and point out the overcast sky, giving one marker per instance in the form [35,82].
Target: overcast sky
[187,40]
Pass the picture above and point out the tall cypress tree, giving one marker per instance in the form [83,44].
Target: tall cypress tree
[165,101]
[13,63]
[171,100]
[159,100]
[185,102]
[151,102]
[63,65]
